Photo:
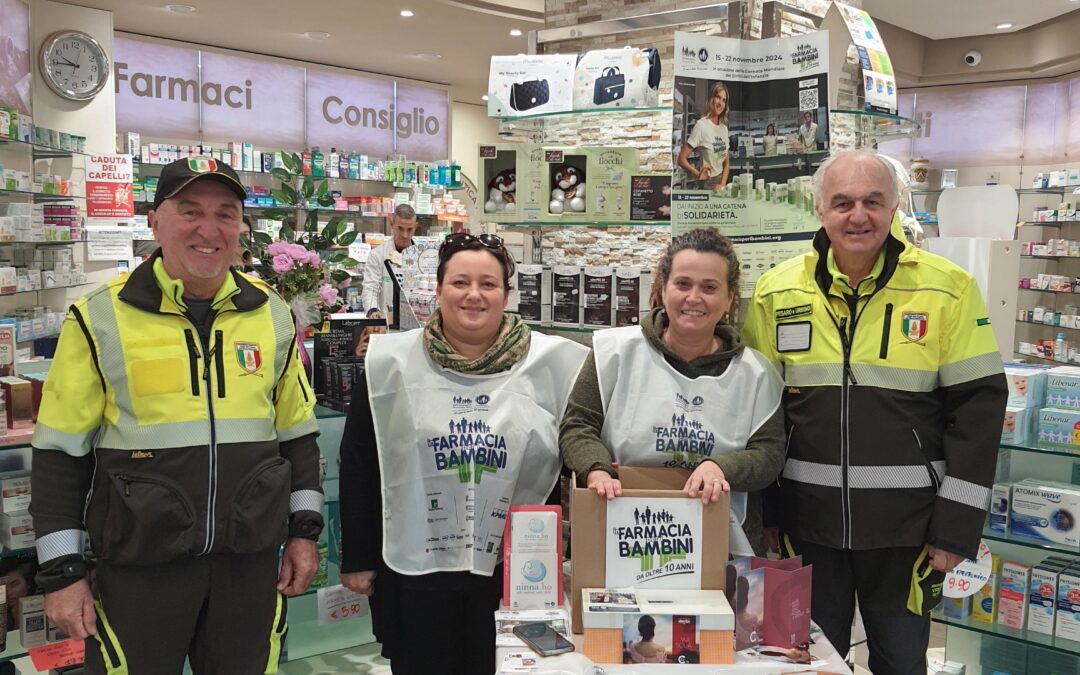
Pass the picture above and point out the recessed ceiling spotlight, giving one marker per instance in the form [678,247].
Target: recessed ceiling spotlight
[515,32]
[407,13]
[484,97]
[1003,26]
[180,9]
[317,34]
[428,56]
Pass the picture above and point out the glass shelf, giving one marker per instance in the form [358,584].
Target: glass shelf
[1049,257]
[1029,543]
[322,412]
[1048,325]
[59,242]
[157,168]
[28,552]
[1042,191]
[1043,290]
[580,223]
[50,288]
[14,650]
[881,126]
[1017,635]
[40,196]
[1050,223]
[1045,449]
[39,151]
[927,192]
[599,111]
[1042,358]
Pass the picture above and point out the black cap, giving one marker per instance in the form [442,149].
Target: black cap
[179,174]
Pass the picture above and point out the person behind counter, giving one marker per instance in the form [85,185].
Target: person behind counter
[768,141]
[646,391]
[808,132]
[492,395]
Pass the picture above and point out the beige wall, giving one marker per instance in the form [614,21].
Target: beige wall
[472,127]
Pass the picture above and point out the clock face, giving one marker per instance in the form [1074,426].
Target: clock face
[74,65]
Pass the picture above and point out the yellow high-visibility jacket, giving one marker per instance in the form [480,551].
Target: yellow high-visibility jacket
[161,439]
[894,399]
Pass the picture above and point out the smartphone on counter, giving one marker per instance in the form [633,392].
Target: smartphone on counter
[543,639]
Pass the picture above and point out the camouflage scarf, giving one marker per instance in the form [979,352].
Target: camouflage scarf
[511,344]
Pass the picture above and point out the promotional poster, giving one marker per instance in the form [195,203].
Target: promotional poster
[654,543]
[750,127]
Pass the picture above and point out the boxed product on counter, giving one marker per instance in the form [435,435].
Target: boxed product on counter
[534,294]
[617,78]
[14,494]
[701,623]
[1046,512]
[632,289]
[514,187]
[566,296]
[598,525]
[599,300]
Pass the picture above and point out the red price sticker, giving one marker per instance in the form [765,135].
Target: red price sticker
[58,655]
[338,603]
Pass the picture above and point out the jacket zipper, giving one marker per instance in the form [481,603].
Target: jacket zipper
[884,353]
[211,498]
[848,377]
[219,363]
[193,360]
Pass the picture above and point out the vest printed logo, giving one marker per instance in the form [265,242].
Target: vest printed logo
[471,448]
[689,405]
[465,404]
[248,356]
[686,440]
[914,325]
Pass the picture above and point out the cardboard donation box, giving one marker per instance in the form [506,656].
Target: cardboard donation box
[651,537]
[657,626]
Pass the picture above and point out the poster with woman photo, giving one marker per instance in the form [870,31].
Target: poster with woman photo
[750,126]
[15,55]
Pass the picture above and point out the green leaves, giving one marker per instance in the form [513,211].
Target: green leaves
[282,175]
[311,223]
[275,214]
[339,275]
[346,238]
[262,238]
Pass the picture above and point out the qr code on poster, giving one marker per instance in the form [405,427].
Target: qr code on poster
[808,100]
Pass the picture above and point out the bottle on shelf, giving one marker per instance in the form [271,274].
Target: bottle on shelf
[1059,348]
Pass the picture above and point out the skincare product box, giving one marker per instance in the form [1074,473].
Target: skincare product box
[632,290]
[1068,604]
[534,294]
[999,508]
[14,494]
[566,286]
[1013,594]
[16,530]
[599,300]
[984,602]
[1042,597]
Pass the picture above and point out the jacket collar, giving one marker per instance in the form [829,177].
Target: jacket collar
[898,251]
[151,289]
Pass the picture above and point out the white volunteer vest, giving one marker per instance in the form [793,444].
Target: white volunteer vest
[456,451]
[656,416]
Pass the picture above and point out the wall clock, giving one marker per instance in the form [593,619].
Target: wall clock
[74,65]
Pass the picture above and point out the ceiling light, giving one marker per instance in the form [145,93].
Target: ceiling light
[180,9]
[484,97]
[1003,26]
[406,13]
[317,34]
[428,56]
[515,32]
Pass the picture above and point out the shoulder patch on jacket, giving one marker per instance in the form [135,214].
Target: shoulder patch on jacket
[791,312]
[984,321]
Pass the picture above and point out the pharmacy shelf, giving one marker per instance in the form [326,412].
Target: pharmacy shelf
[1047,325]
[535,224]
[1050,223]
[13,648]
[28,552]
[1029,543]
[1017,635]
[1041,358]
[878,125]
[1043,191]
[40,196]
[58,242]
[37,150]
[1041,290]
[1044,449]
[51,288]
[599,111]
[156,168]
[1048,257]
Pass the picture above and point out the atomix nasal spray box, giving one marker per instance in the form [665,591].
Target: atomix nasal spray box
[1046,512]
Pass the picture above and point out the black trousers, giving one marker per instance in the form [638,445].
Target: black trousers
[881,580]
[223,612]
[437,624]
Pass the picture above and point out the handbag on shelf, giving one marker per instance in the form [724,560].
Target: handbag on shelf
[529,94]
[611,86]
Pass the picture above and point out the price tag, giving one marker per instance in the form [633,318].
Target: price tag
[970,575]
[553,156]
[58,655]
[337,603]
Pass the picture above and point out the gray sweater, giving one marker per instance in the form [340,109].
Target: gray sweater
[746,470]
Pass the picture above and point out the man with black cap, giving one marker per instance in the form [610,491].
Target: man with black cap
[176,433]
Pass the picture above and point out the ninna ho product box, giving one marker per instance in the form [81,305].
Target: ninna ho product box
[1027,385]
[698,617]
[532,558]
[1059,427]
[1019,425]
[1046,512]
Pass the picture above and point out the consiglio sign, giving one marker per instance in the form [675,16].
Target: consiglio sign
[177,93]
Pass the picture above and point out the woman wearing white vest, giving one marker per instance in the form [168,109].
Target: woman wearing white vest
[681,390]
[451,425]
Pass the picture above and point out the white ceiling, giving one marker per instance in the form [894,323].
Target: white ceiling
[942,19]
[371,35]
[368,35]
